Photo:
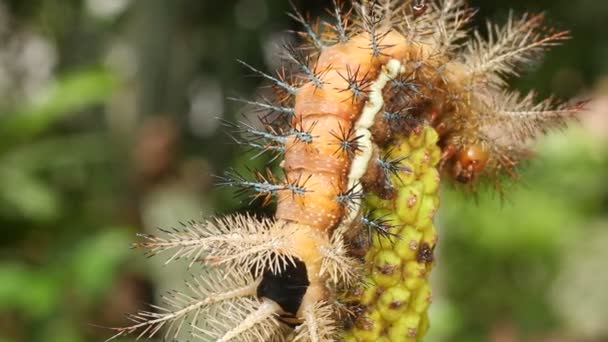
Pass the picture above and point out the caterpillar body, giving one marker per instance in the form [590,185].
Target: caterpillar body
[381,102]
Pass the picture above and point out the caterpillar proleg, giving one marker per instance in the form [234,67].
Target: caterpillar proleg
[380,104]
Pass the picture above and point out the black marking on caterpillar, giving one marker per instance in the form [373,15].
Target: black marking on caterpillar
[287,288]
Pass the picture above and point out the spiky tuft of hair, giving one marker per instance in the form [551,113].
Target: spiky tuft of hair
[319,324]
[343,269]
[235,242]
[247,320]
[183,310]
[507,47]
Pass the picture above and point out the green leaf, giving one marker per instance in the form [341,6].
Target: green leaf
[69,94]
[36,293]
[22,195]
[97,259]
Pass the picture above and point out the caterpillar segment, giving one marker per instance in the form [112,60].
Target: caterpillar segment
[370,112]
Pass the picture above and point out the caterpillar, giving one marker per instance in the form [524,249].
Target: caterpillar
[372,109]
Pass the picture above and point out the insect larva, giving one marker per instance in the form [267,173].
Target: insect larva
[381,102]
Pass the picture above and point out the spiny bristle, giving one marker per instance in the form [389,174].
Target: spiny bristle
[508,47]
[392,166]
[246,320]
[271,148]
[182,308]
[505,124]
[232,241]
[404,84]
[266,106]
[351,196]
[276,81]
[372,21]
[305,64]
[416,24]
[282,95]
[302,134]
[358,85]
[525,118]
[374,13]
[319,324]
[310,32]
[252,133]
[451,18]
[346,140]
[297,186]
[342,21]
[380,225]
[275,136]
[401,119]
[264,186]
[399,114]
[342,269]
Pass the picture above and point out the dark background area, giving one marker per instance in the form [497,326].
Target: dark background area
[109,126]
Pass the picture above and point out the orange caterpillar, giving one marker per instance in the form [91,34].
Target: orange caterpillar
[376,74]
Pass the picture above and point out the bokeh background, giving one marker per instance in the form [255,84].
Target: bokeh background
[109,126]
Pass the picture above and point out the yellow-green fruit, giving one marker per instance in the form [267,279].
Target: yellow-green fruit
[408,202]
[394,302]
[408,243]
[397,294]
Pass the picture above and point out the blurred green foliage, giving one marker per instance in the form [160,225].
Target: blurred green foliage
[499,258]
[53,271]
[108,126]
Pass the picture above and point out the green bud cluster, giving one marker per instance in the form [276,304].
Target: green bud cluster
[395,293]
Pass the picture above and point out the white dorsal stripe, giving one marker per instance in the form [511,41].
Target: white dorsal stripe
[373,106]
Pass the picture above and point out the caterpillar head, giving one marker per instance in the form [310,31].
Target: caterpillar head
[469,162]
